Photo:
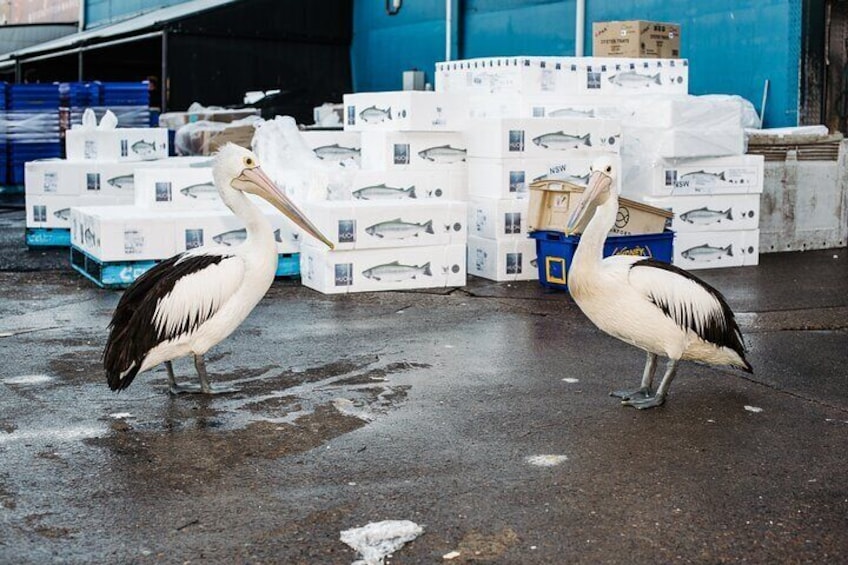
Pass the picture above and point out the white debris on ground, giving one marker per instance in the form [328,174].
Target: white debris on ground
[451,555]
[120,415]
[349,408]
[377,540]
[754,409]
[545,460]
[28,380]
[570,380]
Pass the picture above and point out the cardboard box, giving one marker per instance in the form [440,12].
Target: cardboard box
[716,249]
[564,76]
[717,212]
[173,120]
[410,151]
[389,223]
[335,146]
[404,185]
[553,202]
[502,259]
[396,268]
[511,178]
[740,174]
[636,38]
[405,110]
[54,210]
[212,140]
[498,219]
[535,137]
[120,144]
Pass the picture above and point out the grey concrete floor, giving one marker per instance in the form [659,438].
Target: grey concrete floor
[424,406]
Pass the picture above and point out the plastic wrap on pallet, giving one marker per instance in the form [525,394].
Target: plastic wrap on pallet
[205,137]
[198,113]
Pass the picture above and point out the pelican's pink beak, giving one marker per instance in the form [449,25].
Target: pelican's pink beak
[268,190]
[599,183]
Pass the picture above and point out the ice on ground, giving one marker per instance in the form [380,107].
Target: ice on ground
[377,540]
[753,408]
[570,380]
[545,460]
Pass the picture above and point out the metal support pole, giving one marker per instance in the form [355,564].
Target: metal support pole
[164,83]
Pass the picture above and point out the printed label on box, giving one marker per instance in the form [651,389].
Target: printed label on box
[193,238]
[163,192]
[347,231]
[344,274]
[516,140]
[39,213]
[401,153]
[92,182]
[51,182]
[90,150]
[133,242]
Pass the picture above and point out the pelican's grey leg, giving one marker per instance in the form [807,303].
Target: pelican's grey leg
[173,387]
[662,391]
[644,391]
[205,387]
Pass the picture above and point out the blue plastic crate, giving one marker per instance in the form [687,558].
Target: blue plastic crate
[554,251]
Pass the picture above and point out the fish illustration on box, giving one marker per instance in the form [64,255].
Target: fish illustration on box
[398,229]
[336,152]
[63,214]
[89,237]
[443,154]
[571,113]
[561,141]
[375,115]
[397,272]
[707,253]
[704,216]
[632,79]
[123,182]
[383,192]
[237,237]
[203,191]
[144,148]
[702,178]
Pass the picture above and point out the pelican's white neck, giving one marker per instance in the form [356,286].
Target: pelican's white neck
[590,251]
[256,224]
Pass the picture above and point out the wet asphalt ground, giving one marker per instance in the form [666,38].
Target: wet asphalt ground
[424,406]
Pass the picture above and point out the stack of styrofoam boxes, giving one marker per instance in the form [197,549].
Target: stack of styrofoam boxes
[687,155]
[176,208]
[399,223]
[540,118]
[98,171]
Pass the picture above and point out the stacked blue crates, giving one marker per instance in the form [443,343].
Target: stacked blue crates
[129,101]
[31,126]
[4,147]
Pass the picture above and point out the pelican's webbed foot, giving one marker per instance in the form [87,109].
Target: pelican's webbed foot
[176,389]
[641,393]
[646,402]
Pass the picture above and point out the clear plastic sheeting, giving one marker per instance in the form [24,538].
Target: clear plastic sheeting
[377,540]
[293,165]
[204,136]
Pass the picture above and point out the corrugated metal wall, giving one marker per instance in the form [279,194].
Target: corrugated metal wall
[733,45]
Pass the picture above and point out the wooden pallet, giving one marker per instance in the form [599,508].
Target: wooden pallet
[776,148]
[121,274]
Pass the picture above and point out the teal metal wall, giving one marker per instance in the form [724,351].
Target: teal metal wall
[102,12]
[733,46]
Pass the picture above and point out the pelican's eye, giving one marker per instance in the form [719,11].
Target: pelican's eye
[249,162]
[609,169]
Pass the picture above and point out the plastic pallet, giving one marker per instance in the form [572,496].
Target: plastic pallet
[121,274]
[48,237]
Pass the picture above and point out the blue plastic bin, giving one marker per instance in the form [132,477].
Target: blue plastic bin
[554,251]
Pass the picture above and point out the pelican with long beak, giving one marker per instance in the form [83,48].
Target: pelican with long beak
[185,305]
[652,305]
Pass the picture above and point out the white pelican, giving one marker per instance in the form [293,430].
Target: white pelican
[189,303]
[647,303]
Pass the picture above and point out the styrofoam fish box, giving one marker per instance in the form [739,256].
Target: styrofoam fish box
[334,146]
[511,178]
[536,137]
[60,176]
[564,75]
[120,144]
[550,105]
[396,268]
[389,223]
[740,174]
[720,212]
[554,251]
[553,202]
[502,259]
[716,249]
[54,210]
[120,233]
[407,186]
[194,229]
[683,142]
[405,110]
[417,150]
[176,188]
[497,218]
[710,112]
